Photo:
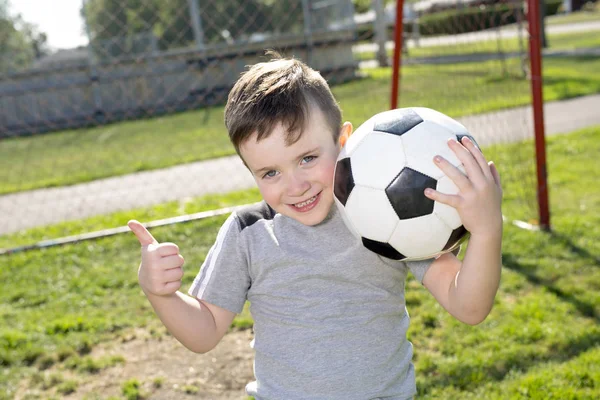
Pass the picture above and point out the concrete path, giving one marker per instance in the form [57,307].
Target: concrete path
[505,32]
[47,206]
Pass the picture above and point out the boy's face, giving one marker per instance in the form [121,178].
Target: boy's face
[295,180]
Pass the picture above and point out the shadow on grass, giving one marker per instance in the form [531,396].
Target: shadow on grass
[463,376]
[583,58]
[467,377]
[570,87]
[585,309]
[574,248]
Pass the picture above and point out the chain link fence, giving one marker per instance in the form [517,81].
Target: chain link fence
[156,57]
[135,117]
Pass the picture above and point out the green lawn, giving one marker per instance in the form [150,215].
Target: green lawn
[575,17]
[541,341]
[76,156]
[563,41]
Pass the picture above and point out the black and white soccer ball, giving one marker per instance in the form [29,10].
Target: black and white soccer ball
[379,182]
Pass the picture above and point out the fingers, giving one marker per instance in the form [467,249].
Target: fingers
[475,175]
[167,249]
[165,283]
[466,158]
[460,180]
[495,174]
[141,233]
[173,275]
[170,262]
[160,271]
[172,287]
[449,199]
[162,276]
[477,155]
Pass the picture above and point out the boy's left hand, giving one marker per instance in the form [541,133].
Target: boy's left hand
[479,196]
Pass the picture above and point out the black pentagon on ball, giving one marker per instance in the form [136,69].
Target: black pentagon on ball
[456,237]
[462,135]
[397,122]
[406,194]
[343,180]
[383,249]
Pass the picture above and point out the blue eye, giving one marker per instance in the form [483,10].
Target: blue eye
[308,159]
[270,174]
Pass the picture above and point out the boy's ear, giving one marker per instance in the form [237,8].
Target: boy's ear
[345,133]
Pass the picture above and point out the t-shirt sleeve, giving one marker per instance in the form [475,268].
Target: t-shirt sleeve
[223,279]
[419,268]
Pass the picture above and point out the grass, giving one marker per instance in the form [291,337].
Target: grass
[75,156]
[165,210]
[541,340]
[590,15]
[563,41]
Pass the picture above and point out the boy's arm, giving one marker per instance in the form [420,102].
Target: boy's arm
[467,289]
[198,325]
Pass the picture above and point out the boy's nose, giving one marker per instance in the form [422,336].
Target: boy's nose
[297,185]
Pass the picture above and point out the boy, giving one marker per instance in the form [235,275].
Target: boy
[329,315]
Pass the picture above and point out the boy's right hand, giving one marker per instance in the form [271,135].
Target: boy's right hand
[161,269]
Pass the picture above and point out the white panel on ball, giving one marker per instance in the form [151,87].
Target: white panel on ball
[446,213]
[358,136]
[371,213]
[377,161]
[421,236]
[425,141]
[442,119]
[343,153]
[347,221]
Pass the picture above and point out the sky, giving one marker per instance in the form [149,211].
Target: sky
[59,19]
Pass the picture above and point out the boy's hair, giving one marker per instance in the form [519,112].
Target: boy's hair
[279,91]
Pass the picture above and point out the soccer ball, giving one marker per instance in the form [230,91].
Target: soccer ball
[379,182]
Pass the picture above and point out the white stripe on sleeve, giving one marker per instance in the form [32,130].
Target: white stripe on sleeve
[214,255]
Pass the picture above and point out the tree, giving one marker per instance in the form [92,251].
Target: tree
[362,6]
[20,42]
[114,25]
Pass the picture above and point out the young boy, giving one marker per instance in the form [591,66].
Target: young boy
[329,315]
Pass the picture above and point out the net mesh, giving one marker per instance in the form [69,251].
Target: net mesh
[134,117]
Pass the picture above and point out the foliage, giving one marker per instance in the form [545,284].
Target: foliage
[362,6]
[128,27]
[114,24]
[20,41]
[450,19]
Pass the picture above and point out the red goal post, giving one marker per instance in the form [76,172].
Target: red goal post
[535,79]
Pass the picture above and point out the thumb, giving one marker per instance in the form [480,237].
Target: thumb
[141,233]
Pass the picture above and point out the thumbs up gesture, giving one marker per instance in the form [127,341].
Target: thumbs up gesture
[161,269]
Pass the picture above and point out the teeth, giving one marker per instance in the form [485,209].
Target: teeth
[305,203]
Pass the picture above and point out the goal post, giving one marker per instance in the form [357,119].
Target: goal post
[476,51]
[535,56]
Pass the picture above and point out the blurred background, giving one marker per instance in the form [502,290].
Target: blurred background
[98,89]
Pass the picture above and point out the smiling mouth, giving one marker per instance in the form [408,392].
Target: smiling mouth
[308,204]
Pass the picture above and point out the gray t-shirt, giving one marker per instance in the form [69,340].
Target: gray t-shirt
[329,315]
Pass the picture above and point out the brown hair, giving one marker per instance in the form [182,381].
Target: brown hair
[278,91]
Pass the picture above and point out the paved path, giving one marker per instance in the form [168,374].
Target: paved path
[505,32]
[48,206]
